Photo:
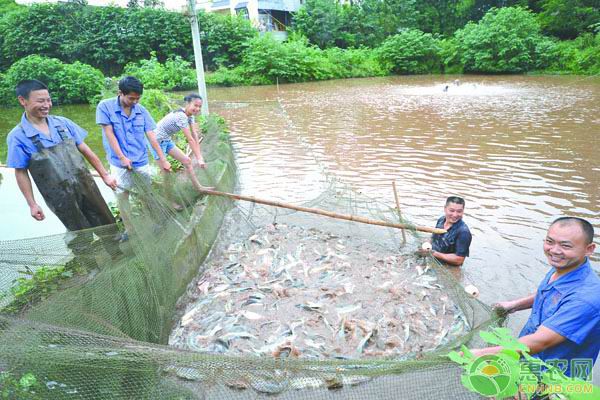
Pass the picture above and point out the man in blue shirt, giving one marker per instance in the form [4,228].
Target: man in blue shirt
[564,325]
[452,247]
[125,126]
[50,148]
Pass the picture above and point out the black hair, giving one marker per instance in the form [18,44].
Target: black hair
[455,200]
[191,97]
[24,88]
[586,227]
[131,84]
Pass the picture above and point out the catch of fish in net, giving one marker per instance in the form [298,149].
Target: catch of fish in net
[287,291]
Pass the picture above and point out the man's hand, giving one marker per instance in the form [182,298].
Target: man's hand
[126,162]
[164,164]
[37,212]
[504,307]
[110,181]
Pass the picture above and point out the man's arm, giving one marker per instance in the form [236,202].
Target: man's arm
[451,259]
[24,183]
[162,159]
[114,145]
[543,338]
[509,307]
[110,181]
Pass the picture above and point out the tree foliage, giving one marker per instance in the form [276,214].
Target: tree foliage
[411,52]
[568,19]
[505,40]
[175,74]
[67,83]
[110,37]
[328,23]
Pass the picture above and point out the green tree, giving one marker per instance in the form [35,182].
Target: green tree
[8,5]
[567,19]
[503,41]
[320,21]
[110,37]
[411,52]
[67,83]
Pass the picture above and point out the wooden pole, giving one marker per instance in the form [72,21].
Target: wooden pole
[322,212]
[398,208]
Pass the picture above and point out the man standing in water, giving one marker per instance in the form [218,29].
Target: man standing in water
[50,148]
[452,247]
[564,325]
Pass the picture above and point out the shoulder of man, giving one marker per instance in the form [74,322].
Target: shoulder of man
[107,102]
[587,292]
[464,227]
[15,133]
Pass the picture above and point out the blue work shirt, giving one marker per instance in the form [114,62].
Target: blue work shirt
[21,146]
[570,306]
[130,131]
[456,241]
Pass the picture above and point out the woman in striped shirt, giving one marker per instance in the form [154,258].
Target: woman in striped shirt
[183,120]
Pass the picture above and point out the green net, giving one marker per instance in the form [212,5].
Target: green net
[254,301]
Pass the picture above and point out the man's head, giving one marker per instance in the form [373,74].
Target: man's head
[33,95]
[130,91]
[454,209]
[568,242]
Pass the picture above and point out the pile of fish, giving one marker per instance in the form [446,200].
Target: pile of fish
[287,291]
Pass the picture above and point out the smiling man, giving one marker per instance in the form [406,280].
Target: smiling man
[452,247]
[50,148]
[564,325]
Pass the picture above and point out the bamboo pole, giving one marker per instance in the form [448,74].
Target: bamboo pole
[317,211]
[398,209]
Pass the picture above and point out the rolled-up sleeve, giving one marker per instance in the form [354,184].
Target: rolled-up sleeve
[18,156]
[102,114]
[573,319]
[78,133]
[149,124]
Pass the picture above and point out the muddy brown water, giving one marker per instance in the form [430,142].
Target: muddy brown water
[521,151]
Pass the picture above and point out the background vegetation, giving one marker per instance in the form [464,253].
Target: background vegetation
[73,47]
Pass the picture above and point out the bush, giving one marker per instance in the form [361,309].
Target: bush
[292,61]
[174,74]
[354,63]
[579,56]
[67,83]
[410,52]
[504,41]
[110,37]
[157,102]
[268,61]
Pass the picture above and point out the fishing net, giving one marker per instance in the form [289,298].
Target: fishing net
[90,315]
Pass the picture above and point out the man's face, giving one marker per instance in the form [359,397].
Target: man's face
[38,104]
[565,246]
[129,99]
[454,212]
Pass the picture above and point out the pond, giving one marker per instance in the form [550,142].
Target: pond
[521,150]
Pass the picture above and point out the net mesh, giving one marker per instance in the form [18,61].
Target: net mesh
[90,315]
